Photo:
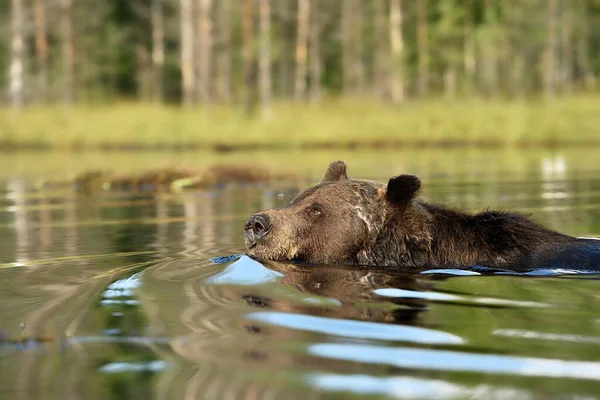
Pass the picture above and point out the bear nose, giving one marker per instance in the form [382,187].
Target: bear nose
[259,224]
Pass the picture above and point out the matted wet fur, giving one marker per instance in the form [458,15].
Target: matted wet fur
[364,222]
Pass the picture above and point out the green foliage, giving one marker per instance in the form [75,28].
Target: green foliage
[486,47]
[342,123]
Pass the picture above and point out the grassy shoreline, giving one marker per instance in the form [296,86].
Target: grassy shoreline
[344,124]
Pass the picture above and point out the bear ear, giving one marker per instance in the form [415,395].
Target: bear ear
[402,189]
[335,172]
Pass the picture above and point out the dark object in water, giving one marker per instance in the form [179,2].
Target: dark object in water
[225,259]
[364,222]
[175,179]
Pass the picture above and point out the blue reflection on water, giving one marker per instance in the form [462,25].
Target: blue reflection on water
[244,271]
[355,329]
[413,294]
[120,367]
[451,271]
[445,360]
[409,387]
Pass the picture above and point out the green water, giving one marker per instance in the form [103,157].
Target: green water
[114,295]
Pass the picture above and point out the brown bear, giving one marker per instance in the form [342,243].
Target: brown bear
[364,222]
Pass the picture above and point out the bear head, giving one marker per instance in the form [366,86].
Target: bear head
[345,221]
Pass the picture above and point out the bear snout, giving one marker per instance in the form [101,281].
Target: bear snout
[257,227]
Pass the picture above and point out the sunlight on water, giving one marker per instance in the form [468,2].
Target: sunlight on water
[458,361]
[411,388]
[246,271]
[355,329]
[148,295]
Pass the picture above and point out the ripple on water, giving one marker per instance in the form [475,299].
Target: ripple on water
[437,296]
[126,285]
[356,329]
[445,360]
[412,387]
[245,271]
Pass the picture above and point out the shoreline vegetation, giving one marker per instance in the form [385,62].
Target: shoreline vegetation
[167,179]
[570,120]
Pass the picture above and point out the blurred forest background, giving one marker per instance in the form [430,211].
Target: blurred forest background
[250,55]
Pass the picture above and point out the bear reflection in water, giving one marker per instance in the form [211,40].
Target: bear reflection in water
[336,291]
[287,299]
[364,222]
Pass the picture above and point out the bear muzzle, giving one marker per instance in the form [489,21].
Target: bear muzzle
[257,228]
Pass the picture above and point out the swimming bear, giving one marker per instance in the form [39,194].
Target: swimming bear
[365,222]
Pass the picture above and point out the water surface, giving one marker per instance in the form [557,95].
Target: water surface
[114,295]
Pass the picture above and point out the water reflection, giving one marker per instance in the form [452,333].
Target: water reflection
[354,329]
[457,361]
[114,296]
[411,388]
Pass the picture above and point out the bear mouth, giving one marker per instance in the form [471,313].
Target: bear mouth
[250,240]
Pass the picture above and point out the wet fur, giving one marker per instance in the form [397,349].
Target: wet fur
[368,223]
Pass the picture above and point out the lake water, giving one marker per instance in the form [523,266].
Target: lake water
[113,295]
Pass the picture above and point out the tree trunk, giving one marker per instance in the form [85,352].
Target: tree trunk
[41,48]
[567,47]
[223,72]
[302,49]
[265,57]
[359,66]
[489,51]
[397,52]
[347,46]
[204,50]
[422,48]
[469,59]
[517,75]
[68,50]
[315,53]
[144,71]
[381,62]
[17,53]
[187,52]
[352,65]
[583,48]
[549,64]
[286,60]
[249,56]
[158,49]
[516,54]
[450,82]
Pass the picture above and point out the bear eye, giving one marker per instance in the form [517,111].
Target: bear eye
[314,211]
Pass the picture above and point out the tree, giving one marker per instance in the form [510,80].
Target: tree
[285,19]
[302,49]
[223,51]
[187,51]
[41,48]
[207,50]
[447,37]
[549,64]
[68,50]
[204,50]
[567,47]
[381,59]
[469,58]
[265,57]
[422,48]
[352,63]
[158,48]
[315,53]
[489,46]
[396,50]
[17,53]
[249,56]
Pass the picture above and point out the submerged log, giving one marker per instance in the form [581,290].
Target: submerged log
[176,179]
